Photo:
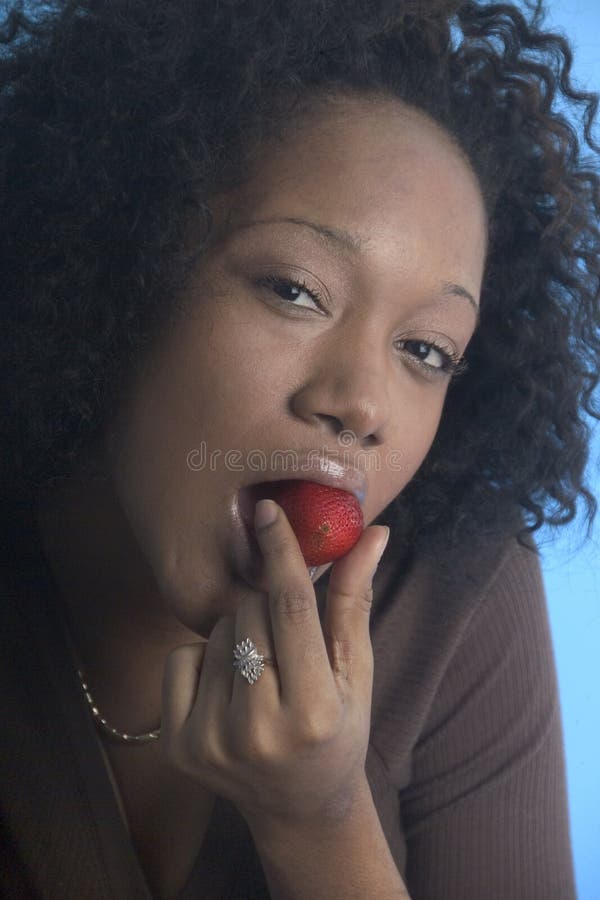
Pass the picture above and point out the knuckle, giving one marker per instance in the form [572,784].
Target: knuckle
[194,755]
[318,726]
[364,601]
[201,754]
[294,604]
[342,655]
[257,745]
[349,600]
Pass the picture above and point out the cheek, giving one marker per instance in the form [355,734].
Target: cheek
[408,450]
[149,446]
[205,391]
[151,479]
[174,515]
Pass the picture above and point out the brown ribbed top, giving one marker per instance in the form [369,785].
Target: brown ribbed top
[465,761]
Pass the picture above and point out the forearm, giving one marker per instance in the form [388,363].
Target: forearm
[349,860]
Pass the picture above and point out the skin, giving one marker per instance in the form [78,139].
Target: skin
[143,557]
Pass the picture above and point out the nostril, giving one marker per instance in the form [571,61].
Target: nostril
[336,424]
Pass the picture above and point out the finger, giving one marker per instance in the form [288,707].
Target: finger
[216,682]
[253,621]
[304,669]
[179,686]
[348,606]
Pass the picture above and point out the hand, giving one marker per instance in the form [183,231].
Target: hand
[290,748]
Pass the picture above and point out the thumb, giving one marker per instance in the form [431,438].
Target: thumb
[349,598]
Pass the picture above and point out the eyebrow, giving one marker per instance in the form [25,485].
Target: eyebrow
[354,244]
[450,289]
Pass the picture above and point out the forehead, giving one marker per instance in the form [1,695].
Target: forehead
[373,167]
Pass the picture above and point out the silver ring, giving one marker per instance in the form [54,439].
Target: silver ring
[249,662]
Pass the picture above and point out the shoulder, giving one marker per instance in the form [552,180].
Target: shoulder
[457,618]
[435,596]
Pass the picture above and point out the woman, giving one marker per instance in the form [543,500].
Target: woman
[359,234]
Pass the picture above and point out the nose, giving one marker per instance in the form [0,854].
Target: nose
[347,392]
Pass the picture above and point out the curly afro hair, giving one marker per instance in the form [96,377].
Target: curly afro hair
[120,118]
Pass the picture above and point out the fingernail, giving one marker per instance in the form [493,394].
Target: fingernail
[265,513]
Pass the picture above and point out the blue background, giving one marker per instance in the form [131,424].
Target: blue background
[571,565]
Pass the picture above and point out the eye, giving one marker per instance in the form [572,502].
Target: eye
[433,357]
[292,292]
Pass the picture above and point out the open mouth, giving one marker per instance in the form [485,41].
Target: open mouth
[247,551]
[249,496]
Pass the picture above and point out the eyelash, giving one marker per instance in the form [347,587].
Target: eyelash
[452,366]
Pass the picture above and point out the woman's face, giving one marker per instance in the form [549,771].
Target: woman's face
[358,242]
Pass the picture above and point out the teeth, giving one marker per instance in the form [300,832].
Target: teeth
[312,571]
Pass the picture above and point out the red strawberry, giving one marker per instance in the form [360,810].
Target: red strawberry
[327,521]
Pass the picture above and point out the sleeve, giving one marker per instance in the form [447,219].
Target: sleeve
[486,811]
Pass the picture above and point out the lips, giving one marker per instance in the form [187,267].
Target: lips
[308,467]
[323,471]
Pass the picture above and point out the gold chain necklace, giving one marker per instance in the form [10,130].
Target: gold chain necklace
[104,726]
